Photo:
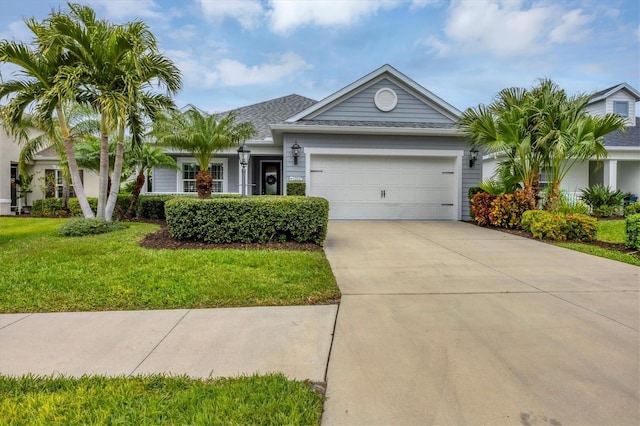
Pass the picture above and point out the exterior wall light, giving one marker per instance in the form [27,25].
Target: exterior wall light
[244,153]
[296,152]
[473,157]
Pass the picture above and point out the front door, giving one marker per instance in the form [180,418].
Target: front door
[14,187]
[270,172]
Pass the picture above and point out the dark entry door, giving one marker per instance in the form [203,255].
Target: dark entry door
[270,172]
[14,187]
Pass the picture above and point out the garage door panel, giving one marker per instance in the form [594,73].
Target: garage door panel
[385,187]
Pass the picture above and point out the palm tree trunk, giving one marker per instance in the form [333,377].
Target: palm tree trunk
[117,174]
[137,189]
[204,184]
[103,185]
[73,166]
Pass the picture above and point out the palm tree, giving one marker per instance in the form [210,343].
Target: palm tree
[144,158]
[113,68]
[41,135]
[40,91]
[202,135]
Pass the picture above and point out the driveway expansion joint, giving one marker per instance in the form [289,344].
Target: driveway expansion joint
[16,321]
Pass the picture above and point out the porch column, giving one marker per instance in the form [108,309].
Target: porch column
[611,174]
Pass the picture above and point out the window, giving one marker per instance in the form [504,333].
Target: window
[54,183]
[190,170]
[621,108]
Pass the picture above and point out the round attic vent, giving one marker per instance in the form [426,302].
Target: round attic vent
[385,99]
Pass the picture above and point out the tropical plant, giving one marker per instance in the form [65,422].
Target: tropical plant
[541,129]
[602,199]
[112,68]
[202,135]
[39,90]
[144,158]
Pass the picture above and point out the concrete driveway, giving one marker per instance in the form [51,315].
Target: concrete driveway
[449,323]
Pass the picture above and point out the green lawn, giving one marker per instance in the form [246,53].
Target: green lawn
[610,231]
[42,272]
[153,400]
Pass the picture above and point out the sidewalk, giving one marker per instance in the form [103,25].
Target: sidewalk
[294,340]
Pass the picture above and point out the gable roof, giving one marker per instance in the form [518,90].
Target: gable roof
[384,71]
[603,94]
[270,112]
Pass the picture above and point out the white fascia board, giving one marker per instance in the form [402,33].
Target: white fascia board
[367,130]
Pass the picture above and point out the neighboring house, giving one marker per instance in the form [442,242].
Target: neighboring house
[621,168]
[9,154]
[382,147]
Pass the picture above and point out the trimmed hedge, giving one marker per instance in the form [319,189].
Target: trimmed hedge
[78,227]
[151,206]
[558,226]
[632,228]
[249,220]
[632,209]
[296,188]
[52,207]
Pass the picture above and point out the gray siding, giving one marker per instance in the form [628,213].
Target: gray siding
[361,107]
[164,180]
[597,108]
[470,176]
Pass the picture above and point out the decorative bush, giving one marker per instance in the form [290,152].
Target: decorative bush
[248,220]
[567,208]
[580,227]
[602,199]
[151,206]
[529,217]
[632,209]
[558,226]
[470,194]
[632,228]
[481,208]
[48,207]
[507,209]
[79,227]
[296,188]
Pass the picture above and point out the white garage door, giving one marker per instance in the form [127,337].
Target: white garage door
[385,187]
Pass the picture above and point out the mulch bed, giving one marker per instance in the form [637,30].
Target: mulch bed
[162,240]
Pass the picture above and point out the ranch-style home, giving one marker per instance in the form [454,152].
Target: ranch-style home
[383,147]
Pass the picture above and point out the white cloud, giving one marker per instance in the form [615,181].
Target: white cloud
[286,15]
[194,72]
[185,33]
[507,28]
[120,9]
[16,31]
[571,28]
[234,73]
[417,4]
[247,12]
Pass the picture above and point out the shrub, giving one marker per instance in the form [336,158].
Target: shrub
[74,206]
[79,227]
[481,208]
[628,211]
[567,208]
[580,227]
[602,199]
[529,217]
[248,220]
[558,226]
[507,209]
[152,206]
[632,228]
[49,207]
[296,188]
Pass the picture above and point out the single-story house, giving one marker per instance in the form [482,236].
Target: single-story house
[621,168]
[383,147]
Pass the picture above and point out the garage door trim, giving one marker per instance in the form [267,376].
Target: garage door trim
[456,154]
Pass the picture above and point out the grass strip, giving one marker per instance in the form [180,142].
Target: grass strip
[157,399]
[602,252]
[43,272]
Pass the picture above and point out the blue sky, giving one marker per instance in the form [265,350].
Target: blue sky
[238,52]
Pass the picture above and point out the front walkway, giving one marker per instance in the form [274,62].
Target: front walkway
[294,340]
[448,323]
